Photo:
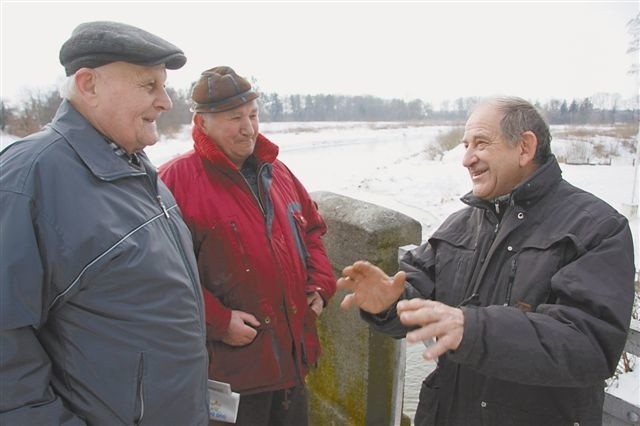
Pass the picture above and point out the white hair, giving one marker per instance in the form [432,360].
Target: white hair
[67,87]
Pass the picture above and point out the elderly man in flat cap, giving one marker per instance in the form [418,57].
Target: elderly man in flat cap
[257,236]
[101,317]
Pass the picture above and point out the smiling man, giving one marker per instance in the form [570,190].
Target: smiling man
[528,291]
[101,312]
[257,238]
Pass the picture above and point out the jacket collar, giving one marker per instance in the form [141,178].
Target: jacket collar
[265,151]
[530,191]
[91,146]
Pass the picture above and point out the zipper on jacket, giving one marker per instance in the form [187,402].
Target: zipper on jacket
[255,196]
[473,300]
[259,195]
[175,237]
[154,186]
[486,255]
[263,194]
[512,276]
[266,208]
[297,355]
[162,206]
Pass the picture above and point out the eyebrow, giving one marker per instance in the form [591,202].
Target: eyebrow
[482,134]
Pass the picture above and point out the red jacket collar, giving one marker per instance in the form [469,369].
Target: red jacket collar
[265,150]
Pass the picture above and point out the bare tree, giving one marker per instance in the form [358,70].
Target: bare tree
[7,114]
[37,110]
[634,48]
[633,27]
[179,115]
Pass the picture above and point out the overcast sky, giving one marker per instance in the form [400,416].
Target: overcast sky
[428,50]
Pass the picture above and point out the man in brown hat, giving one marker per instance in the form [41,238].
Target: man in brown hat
[257,238]
[101,318]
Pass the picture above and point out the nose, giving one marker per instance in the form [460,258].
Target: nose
[469,157]
[246,127]
[163,101]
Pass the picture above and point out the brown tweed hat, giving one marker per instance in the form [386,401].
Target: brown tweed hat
[220,89]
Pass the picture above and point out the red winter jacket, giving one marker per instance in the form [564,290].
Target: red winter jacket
[260,262]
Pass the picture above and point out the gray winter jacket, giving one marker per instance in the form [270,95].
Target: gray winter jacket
[101,318]
[546,292]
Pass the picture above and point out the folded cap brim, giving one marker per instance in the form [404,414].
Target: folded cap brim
[226,104]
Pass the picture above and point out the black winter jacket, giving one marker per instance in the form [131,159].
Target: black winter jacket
[547,293]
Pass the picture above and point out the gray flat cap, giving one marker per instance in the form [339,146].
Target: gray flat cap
[93,44]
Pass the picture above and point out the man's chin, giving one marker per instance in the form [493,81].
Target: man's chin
[478,192]
[149,140]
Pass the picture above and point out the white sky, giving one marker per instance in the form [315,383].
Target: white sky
[428,50]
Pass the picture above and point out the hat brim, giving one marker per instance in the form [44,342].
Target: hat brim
[173,62]
[226,104]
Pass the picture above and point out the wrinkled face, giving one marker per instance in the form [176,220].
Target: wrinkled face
[234,131]
[493,164]
[129,100]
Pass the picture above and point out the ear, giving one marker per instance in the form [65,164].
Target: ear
[528,146]
[86,85]
[198,120]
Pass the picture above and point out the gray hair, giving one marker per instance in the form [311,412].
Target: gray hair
[521,116]
[67,87]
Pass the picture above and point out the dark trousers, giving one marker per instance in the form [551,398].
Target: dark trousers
[287,407]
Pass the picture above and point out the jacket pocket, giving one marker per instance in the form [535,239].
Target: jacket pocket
[237,240]
[223,259]
[510,403]
[138,404]
[427,410]
[538,260]
[248,367]
[453,266]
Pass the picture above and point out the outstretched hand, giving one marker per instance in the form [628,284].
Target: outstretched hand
[239,333]
[434,319]
[372,290]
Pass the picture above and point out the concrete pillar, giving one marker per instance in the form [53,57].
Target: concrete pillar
[360,376]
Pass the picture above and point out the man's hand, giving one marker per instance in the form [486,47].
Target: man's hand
[315,302]
[435,319]
[239,333]
[373,291]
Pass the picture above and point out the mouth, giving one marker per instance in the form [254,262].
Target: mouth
[476,174]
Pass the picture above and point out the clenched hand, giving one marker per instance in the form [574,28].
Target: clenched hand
[239,333]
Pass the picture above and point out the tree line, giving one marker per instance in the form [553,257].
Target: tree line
[38,109]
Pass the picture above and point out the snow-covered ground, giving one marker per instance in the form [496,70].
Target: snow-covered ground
[386,164]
